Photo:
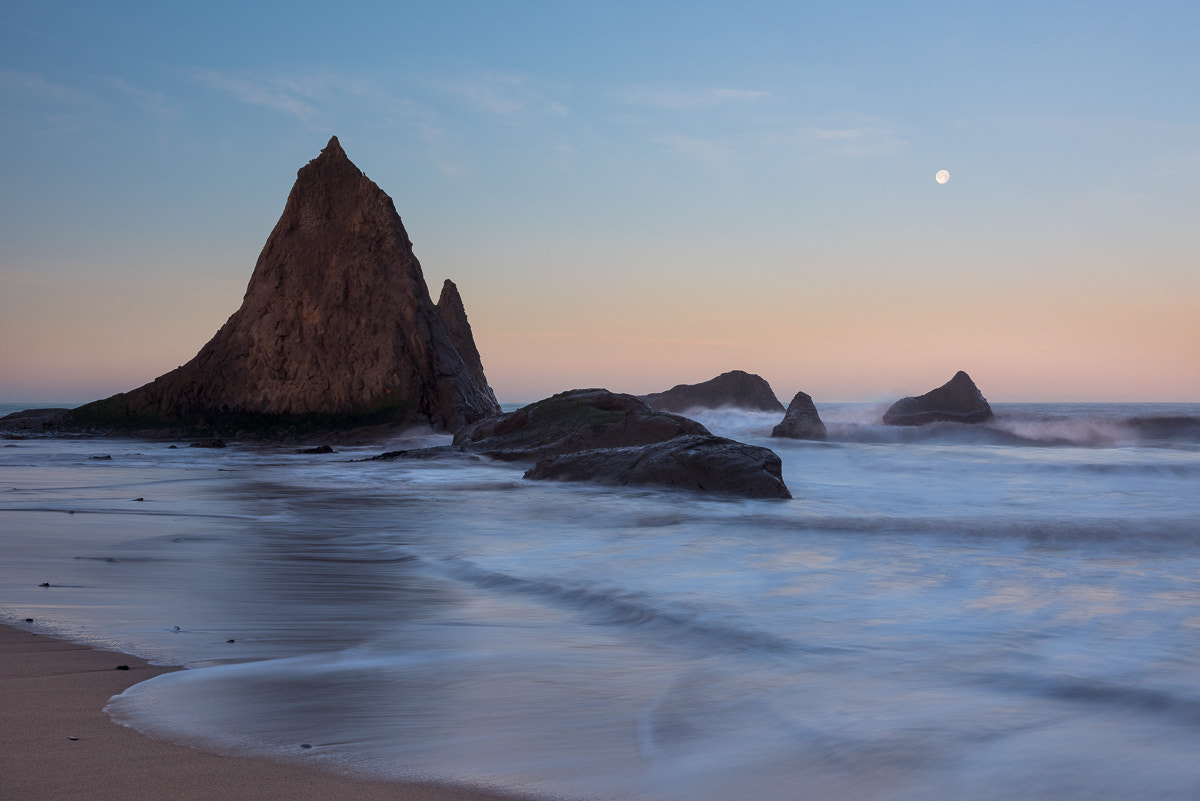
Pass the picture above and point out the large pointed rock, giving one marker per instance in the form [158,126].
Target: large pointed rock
[956,401]
[336,328]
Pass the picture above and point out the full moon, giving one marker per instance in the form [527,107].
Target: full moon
[942,176]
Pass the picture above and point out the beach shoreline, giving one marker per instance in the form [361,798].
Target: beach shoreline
[58,743]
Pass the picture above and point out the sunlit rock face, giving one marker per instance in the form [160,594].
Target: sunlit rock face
[337,325]
[956,401]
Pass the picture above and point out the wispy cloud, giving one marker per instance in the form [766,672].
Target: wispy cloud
[300,95]
[151,101]
[696,148]
[680,98]
[510,95]
[851,136]
[37,85]
[859,140]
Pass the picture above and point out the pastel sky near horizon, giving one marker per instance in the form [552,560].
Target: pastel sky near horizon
[628,194]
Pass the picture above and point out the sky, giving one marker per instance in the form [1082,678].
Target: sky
[629,195]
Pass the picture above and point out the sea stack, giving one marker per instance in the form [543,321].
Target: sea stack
[337,328]
[737,389]
[801,421]
[956,401]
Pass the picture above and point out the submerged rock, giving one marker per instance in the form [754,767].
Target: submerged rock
[577,420]
[956,401]
[698,462]
[336,330]
[801,420]
[434,452]
[736,388]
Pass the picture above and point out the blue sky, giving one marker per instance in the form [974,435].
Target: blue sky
[628,195]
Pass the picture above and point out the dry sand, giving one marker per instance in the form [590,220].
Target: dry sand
[56,743]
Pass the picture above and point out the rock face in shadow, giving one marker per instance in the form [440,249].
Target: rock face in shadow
[336,328]
[454,318]
[956,401]
[35,421]
[577,420]
[801,420]
[611,438]
[736,388]
[698,462]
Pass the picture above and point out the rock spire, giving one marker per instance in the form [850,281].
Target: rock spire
[336,328]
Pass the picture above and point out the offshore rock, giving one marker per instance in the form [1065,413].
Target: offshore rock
[336,329]
[956,401]
[454,318]
[580,419]
[736,388]
[801,420]
[702,463]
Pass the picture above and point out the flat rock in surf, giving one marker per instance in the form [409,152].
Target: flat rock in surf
[697,462]
[801,421]
[435,452]
[737,389]
[577,420]
[956,401]
[35,420]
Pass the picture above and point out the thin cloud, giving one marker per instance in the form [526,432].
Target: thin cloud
[37,85]
[695,148]
[866,139]
[509,95]
[676,98]
[287,95]
[151,101]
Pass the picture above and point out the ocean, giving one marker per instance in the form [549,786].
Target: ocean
[1006,611]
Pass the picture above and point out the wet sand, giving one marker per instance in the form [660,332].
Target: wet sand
[57,743]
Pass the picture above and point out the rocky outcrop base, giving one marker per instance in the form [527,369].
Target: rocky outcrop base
[702,463]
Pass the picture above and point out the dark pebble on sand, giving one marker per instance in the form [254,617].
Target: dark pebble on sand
[73,738]
[122,667]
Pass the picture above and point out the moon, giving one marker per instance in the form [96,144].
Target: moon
[942,176]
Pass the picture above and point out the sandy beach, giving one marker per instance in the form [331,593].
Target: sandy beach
[58,744]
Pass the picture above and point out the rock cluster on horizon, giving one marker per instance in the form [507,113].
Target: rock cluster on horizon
[612,438]
[736,388]
[801,421]
[956,401]
[336,328]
